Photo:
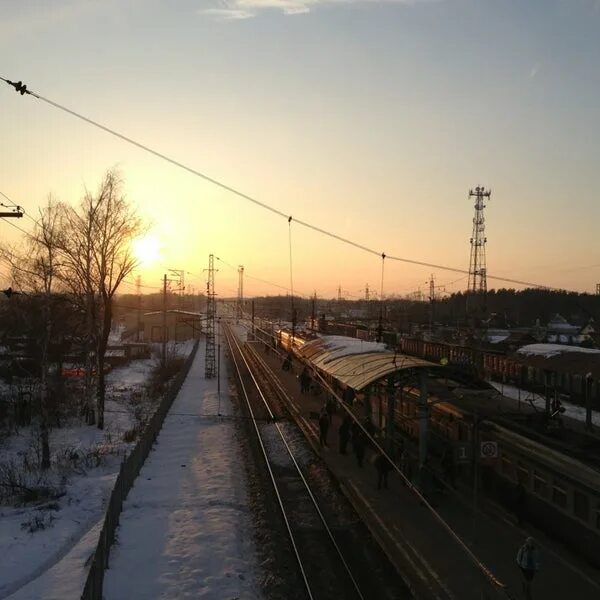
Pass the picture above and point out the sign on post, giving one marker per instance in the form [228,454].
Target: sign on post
[488,450]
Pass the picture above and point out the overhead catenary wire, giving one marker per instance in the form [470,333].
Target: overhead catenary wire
[22,89]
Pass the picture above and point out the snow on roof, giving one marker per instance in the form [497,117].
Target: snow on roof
[549,350]
[339,346]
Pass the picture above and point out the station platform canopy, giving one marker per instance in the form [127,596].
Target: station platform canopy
[357,363]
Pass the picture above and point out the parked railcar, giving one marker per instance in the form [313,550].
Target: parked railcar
[562,493]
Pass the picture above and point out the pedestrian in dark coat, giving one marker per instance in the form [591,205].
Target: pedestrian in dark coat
[323,427]
[304,381]
[359,445]
[344,434]
[383,466]
[348,397]
[528,559]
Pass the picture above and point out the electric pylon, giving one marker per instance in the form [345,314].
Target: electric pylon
[210,358]
[477,266]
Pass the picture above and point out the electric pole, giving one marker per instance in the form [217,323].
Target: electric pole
[209,364]
[313,315]
[240,298]
[164,327]
[138,290]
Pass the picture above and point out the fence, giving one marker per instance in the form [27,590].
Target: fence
[130,467]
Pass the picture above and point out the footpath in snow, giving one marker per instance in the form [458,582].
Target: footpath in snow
[186,530]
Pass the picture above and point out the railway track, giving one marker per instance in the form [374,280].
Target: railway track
[331,547]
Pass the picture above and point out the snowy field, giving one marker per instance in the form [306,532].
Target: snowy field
[572,411]
[186,528]
[45,544]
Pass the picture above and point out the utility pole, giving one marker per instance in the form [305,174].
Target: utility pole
[598,289]
[339,291]
[252,318]
[209,363]
[164,327]
[477,264]
[180,273]
[313,311]
[367,297]
[431,302]
[138,289]
[240,299]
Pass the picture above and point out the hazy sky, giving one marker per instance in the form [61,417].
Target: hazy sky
[370,118]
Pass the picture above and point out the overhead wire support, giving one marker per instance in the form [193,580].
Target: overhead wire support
[23,90]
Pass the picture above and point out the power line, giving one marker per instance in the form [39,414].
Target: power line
[17,227]
[22,89]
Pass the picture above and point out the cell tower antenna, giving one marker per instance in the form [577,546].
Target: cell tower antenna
[210,358]
[477,265]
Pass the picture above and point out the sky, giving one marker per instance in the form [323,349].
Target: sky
[369,118]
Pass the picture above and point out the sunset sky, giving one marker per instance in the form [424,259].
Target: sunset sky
[369,118]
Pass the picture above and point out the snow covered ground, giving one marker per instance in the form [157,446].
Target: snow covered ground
[571,410]
[186,529]
[49,563]
[550,350]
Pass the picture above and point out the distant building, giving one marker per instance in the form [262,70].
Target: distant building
[181,325]
[560,331]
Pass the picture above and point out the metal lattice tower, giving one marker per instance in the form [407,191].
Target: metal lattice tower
[210,370]
[477,267]
[240,298]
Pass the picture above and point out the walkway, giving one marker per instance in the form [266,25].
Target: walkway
[185,529]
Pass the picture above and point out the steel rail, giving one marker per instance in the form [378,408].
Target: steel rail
[298,469]
[271,475]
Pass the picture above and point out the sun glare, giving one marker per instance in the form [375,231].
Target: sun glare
[147,249]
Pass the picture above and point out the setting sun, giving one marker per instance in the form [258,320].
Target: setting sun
[147,249]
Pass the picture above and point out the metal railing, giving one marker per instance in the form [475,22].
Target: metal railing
[130,467]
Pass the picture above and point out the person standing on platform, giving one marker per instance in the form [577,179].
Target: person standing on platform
[528,559]
[344,434]
[323,427]
[359,444]
[348,396]
[383,466]
[304,381]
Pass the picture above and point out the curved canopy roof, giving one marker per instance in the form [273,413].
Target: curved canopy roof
[357,363]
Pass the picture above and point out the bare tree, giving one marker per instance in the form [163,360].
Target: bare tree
[99,257]
[38,271]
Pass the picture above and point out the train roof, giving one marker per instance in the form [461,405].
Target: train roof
[357,363]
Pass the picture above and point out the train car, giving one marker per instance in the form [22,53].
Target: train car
[562,492]
[290,342]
